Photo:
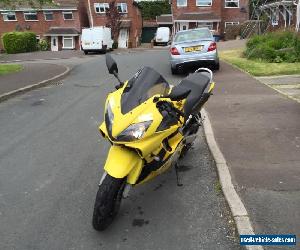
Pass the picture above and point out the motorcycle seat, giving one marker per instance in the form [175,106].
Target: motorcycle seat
[197,83]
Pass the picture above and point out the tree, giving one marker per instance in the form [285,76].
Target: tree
[151,9]
[33,3]
[113,20]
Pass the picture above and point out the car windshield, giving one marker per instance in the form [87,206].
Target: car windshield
[145,84]
[193,35]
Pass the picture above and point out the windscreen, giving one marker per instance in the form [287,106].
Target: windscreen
[145,84]
[193,35]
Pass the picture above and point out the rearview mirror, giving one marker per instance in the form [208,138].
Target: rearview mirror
[179,93]
[111,65]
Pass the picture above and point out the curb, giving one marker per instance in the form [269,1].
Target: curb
[259,79]
[36,60]
[43,83]
[277,76]
[238,210]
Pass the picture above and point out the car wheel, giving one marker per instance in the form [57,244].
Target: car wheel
[216,66]
[174,71]
[85,52]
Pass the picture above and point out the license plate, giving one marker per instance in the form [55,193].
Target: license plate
[159,39]
[193,49]
[87,43]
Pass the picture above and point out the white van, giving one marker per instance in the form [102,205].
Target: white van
[162,36]
[96,39]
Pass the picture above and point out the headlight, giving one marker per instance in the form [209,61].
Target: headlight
[109,119]
[134,131]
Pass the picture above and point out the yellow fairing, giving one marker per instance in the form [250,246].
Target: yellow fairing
[176,146]
[122,162]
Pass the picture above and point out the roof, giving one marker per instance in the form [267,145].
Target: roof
[164,19]
[149,24]
[58,4]
[206,16]
[62,31]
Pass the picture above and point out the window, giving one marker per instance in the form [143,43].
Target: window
[209,25]
[181,3]
[231,23]
[275,17]
[30,16]
[101,7]
[122,7]
[231,3]
[48,15]
[68,15]
[204,3]
[68,42]
[9,16]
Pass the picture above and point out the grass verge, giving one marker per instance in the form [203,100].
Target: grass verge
[9,68]
[256,67]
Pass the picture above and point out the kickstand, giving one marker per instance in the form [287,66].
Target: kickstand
[179,184]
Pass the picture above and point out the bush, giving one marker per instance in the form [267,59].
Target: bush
[19,42]
[282,46]
[43,45]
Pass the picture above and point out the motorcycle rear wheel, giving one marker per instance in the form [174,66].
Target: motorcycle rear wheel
[108,202]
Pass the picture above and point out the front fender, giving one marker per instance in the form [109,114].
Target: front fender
[122,162]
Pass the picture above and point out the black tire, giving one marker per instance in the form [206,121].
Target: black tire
[108,202]
[174,71]
[104,50]
[85,52]
[216,66]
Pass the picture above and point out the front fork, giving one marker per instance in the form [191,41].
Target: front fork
[126,189]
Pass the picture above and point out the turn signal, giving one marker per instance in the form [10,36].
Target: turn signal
[174,51]
[212,46]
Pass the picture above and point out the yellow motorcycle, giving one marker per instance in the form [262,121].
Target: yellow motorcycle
[150,124]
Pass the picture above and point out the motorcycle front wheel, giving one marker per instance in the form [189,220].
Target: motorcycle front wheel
[108,202]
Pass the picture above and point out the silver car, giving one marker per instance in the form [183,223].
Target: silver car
[195,47]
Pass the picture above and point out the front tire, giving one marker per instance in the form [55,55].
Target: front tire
[108,202]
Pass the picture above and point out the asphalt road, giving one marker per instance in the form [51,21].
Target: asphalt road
[51,158]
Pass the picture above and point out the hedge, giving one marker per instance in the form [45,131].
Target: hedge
[281,46]
[19,42]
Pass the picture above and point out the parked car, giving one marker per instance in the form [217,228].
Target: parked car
[97,39]
[162,36]
[195,47]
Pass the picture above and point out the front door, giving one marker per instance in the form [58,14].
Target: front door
[184,26]
[54,43]
[123,37]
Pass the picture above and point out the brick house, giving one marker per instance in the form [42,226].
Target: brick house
[60,23]
[214,14]
[131,25]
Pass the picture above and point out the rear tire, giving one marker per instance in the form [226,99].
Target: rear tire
[108,202]
[174,71]
[216,66]
[85,52]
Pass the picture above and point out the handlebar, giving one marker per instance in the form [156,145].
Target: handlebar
[169,107]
